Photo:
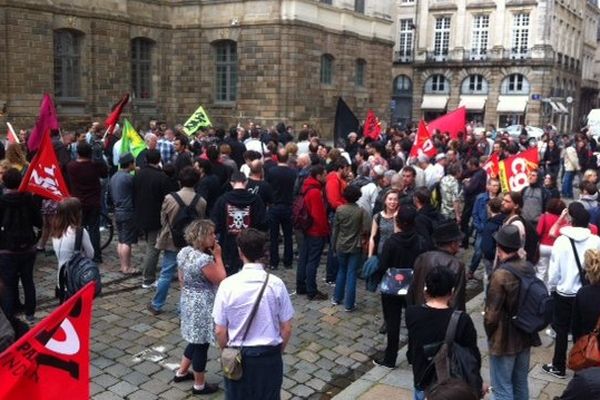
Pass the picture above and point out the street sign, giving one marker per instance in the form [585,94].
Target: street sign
[393,104]
[569,100]
[536,96]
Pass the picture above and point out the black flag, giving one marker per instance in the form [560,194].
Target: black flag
[345,121]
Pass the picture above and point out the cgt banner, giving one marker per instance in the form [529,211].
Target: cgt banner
[52,360]
[513,171]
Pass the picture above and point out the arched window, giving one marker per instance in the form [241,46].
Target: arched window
[67,63]
[361,66]
[327,69]
[402,86]
[437,84]
[474,84]
[141,68]
[515,84]
[226,71]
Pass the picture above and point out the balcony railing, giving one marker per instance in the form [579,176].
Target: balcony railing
[476,55]
[489,55]
[438,56]
[517,53]
[403,56]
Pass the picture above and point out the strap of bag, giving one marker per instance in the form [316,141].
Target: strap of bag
[78,239]
[195,201]
[452,325]
[255,308]
[578,262]
[178,199]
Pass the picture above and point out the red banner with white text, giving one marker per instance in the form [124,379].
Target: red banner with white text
[514,170]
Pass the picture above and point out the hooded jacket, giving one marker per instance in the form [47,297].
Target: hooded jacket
[563,274]
[488,243]
[334,187]
[589,201]
[504,338]
[312,190]
[401,251]
[425,221]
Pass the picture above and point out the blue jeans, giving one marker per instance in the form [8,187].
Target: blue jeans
[308,262]
[169,266]
[345,283]
[332,261]
[419,394]
[509,376]
[567,184]
[281,215]
[477,253]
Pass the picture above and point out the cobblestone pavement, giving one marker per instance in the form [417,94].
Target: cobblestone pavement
[134,354]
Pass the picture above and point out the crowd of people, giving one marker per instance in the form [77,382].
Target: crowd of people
[398,222]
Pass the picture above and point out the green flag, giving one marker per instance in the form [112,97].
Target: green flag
[131,141]
[197,120]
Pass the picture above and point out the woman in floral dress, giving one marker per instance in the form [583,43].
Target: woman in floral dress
[201,270]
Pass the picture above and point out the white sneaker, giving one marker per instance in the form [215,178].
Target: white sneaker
[148,286]
[550,332]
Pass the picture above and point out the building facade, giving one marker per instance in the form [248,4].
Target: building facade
[508,62]
[261,60]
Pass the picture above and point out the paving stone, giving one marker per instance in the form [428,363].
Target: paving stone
[136,378]
[105,380]
[123,388]
[173,394]
[301,391]
[107,396]
[308,356]
[141,395]
[316,384]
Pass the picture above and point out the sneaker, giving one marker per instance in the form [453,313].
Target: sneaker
[380,363]
[552,370]
[334,302]
[149,285]
[330,283]
[550,332]
[187,377]
[153,310]
[318,296]
[209,388]
[349,309]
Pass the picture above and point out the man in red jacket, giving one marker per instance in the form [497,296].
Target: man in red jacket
[334,188]
[314,237]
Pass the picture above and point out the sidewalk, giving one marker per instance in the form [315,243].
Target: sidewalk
[380,383]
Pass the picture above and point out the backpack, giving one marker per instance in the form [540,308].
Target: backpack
[301,219]
[535,307]
[532,242]
[185,215]
[455,361]
[77,272]
[16,231]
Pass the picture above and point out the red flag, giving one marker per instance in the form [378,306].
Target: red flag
[423,144]
[514,170]
[52,360]
[11,136]
[46,120]
[491,166]
[44,176]
[372,127]
[453,122]
[113,117]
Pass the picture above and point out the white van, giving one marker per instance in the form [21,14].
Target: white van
[593,122]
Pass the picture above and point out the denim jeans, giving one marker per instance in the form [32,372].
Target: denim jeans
[345,283]
[169,266]
[419,394]
[15,267]
[281,215]
[477,253]
[308,262]
[509,376]
[567,184]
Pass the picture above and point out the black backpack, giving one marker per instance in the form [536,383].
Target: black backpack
[77,272]
[16,231]
[185,215]
[455,361]
[535,308]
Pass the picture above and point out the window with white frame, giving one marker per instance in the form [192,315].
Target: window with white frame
[437,84]
[515,84]
[405,42]
[408,2]
[474,84]
[441,39]
[479,37]
[520,34]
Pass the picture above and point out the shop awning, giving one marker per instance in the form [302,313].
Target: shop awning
[473,103]
[431,102]
[512,104]
[562,107]
[554,106]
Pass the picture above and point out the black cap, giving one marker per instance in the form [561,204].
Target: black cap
[509,236]
[447,232]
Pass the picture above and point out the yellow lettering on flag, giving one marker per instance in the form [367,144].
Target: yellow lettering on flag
[199,119]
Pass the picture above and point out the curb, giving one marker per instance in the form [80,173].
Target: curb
[377,374]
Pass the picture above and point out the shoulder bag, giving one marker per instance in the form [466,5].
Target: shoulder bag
[586,351]
[231,357]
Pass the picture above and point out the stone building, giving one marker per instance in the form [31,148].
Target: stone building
[261,60]
[507,62]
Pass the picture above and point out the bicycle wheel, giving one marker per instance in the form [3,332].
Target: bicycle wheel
[106,230]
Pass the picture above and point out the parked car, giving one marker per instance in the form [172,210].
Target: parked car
[532,131]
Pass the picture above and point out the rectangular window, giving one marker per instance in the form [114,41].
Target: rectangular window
[520,35]
[326,2]
[226,71]
[441,40]
[141,68]
[359,6]
[360,72]
[67,67]
[479,37]
[405,42]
